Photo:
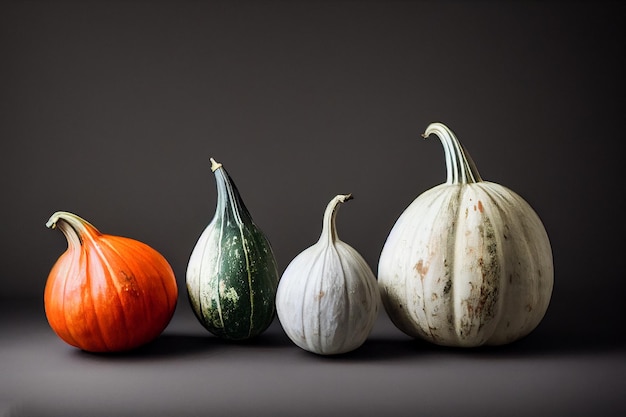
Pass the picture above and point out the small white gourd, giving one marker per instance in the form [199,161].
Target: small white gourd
[468,262]
[328,298]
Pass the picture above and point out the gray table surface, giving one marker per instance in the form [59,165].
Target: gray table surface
[188,372]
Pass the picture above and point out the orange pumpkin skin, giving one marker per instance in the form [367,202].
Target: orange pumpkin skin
[108,293]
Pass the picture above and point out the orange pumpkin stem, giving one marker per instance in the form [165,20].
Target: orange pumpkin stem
[73,227]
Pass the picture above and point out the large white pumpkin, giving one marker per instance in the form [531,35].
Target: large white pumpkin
[468,262]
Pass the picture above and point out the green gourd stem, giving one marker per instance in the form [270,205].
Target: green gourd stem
[228,194]
[460,166]
[72,226]
[329,232]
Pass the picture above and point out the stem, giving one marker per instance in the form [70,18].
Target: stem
[329,232]
[214,165]
[460,166]
[72,226]
[228,197]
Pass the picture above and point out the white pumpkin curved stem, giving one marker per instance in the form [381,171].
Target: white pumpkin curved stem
[72,226]
[329,232]
[460,166]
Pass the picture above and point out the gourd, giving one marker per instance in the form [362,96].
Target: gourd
[232,275]
[328,298]
[107,293]
[468,262]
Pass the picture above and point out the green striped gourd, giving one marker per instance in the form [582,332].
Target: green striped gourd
[232,275]
[468,262]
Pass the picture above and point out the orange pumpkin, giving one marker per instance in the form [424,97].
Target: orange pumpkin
[107,293]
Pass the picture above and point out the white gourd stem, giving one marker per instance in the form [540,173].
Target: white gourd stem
[460,166]
[329,232]
[73,227]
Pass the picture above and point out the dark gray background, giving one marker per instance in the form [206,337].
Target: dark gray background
[111,110]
